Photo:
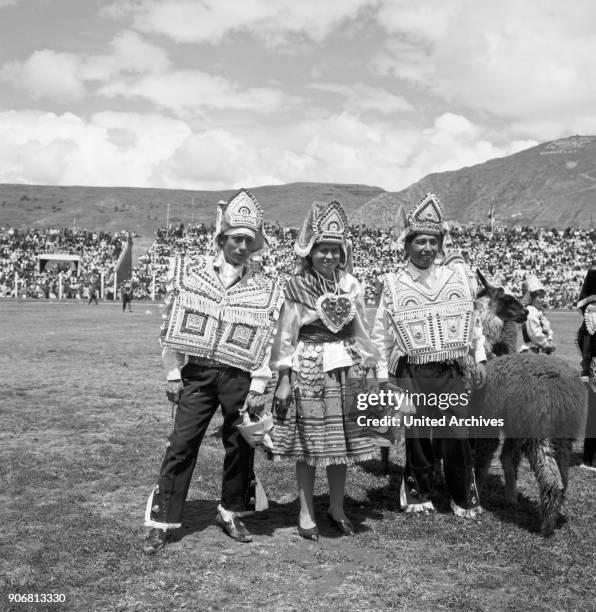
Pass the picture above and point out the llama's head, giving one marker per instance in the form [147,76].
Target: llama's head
[503,305]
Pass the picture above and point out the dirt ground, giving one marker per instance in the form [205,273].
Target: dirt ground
[84,422]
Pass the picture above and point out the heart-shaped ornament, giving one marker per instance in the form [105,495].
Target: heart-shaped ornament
[335,311]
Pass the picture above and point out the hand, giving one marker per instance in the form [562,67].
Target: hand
[174,390]
[254,403]
[372,384]
[480,375]
[283,393]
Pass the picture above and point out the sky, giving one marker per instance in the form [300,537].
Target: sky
[219,94]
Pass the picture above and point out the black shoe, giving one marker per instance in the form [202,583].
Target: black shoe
[234,528]
[312,533]
[344,526]
[154,540]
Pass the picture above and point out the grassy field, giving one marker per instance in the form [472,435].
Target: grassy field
[84,421]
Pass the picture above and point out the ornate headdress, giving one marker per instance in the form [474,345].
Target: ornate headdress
[324,223]
[427,217]
[241,214]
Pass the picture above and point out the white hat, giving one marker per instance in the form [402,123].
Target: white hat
[531,285]
[255,431]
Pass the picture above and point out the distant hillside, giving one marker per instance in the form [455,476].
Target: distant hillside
[551,185]
[144,210]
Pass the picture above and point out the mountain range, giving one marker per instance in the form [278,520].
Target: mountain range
[552,184]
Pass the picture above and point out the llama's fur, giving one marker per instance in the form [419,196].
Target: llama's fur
[542,403]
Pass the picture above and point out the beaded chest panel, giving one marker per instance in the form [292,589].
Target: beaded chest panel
[234,326]
[431,324]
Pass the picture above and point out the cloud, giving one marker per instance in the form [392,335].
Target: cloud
[360,97]
[109,149]
[512,59]
[135,68]
[131,54]
[6,3]
[48,74]
[186,90]
[64,77]
[149,150]
[212,21]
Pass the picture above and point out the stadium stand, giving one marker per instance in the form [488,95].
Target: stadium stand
[559,257]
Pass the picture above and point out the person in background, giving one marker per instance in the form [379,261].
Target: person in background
[586,339]
[92,294]
[537,332]
[127,296]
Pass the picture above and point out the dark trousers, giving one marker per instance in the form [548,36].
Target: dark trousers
[126,301]
[425,444]
[590,435]
[204,390]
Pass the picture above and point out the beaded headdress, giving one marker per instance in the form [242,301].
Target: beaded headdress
[241,211]
[324,223]
[426,217]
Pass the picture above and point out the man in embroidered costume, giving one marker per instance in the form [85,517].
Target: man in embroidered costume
[425,329]
[219,327]
[322,351]
[586,339]
[536,331]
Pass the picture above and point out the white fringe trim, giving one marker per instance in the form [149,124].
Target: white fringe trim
[471,513]
[423,508]
[325,461]
[234,513]
[149,522]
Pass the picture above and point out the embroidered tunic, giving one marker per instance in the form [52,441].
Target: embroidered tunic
[428,316]
[218,313]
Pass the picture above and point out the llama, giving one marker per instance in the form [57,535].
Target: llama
[540,399]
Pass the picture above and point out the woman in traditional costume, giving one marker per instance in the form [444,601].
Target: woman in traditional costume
[322,352]
[586,339]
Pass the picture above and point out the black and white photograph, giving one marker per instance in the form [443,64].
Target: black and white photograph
[297,305]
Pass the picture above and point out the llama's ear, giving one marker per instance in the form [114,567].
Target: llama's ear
[482,279]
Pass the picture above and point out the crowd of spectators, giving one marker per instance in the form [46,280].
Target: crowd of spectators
[19,251]
[558,257]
